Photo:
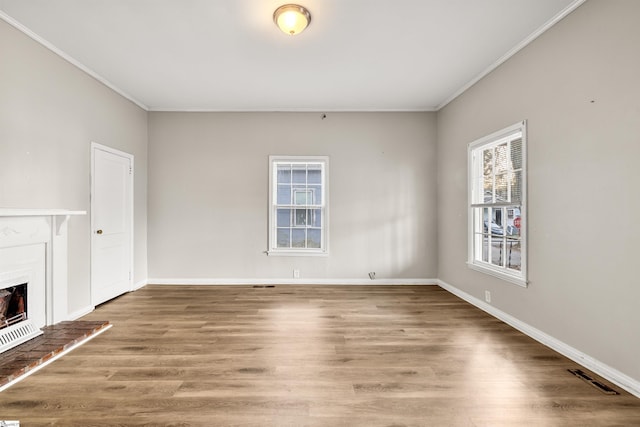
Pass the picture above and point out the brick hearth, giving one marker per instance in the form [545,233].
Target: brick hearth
[57,338]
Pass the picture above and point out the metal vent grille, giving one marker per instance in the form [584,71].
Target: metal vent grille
[17,334]
[583,376]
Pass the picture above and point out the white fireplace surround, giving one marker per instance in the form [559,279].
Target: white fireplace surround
[33,250]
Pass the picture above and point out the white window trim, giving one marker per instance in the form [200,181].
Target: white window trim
[273,250]
[518,278]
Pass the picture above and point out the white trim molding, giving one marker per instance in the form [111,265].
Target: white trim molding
[95,147]
[478,234]
[140,284]
[517,48]
[18,26]
[78,314]
[620,379]
[81,313]
[318,203]
[349,282]
[25,227]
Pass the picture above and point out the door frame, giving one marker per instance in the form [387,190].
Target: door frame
[95,147]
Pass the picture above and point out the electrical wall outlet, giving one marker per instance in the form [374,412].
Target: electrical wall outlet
[487,296]
[296,273]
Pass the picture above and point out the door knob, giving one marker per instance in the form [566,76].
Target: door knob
[99,232]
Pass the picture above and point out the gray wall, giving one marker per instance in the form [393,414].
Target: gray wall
[577,85]
[208,192]
[50,112]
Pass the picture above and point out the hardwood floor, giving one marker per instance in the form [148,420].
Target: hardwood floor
[309,356]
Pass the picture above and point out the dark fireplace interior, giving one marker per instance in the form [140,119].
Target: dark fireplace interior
[13,305]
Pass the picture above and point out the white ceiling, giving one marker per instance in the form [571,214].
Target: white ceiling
[227,55]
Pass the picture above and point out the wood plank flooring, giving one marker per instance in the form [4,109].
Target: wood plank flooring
[309,356]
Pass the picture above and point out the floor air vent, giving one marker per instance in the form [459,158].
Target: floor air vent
[263,286]
[583,376]
[17,334]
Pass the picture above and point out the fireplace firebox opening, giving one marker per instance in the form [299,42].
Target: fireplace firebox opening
[13,305]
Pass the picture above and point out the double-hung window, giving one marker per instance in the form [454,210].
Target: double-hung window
[497,204]
[298,205]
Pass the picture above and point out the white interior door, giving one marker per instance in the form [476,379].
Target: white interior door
[111,223]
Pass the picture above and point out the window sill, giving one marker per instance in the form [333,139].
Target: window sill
[297,253]
[518,280]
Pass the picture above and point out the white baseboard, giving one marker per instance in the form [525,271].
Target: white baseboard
[86,310]
[622,380]
[80,313]
[368,282]
[140,284]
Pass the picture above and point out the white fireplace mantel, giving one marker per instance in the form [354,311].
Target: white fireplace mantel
[20,227]
[38,212]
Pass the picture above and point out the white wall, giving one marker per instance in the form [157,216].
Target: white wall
[208,186]
[50,112]
[577,85]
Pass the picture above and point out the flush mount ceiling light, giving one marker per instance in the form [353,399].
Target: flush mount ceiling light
[291,18]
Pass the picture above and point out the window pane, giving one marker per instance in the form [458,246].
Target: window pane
[316,218]
[512,231]
[501,164]
[301,196]
[298,237]
[283,237]
[284,218]
[487,162]
[513,260]
[488,189]
[313,238]
[516,187]
[486,219]
[502,183]
[284,194]
[516,154]
[485,247]
[299,174]
[496,250]
[485,178]
[314,174]
[498,219]
[513,222]
[300,217]
[315,192]
[284,174]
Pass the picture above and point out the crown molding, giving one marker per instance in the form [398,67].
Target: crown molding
[524,43]
[17,25]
